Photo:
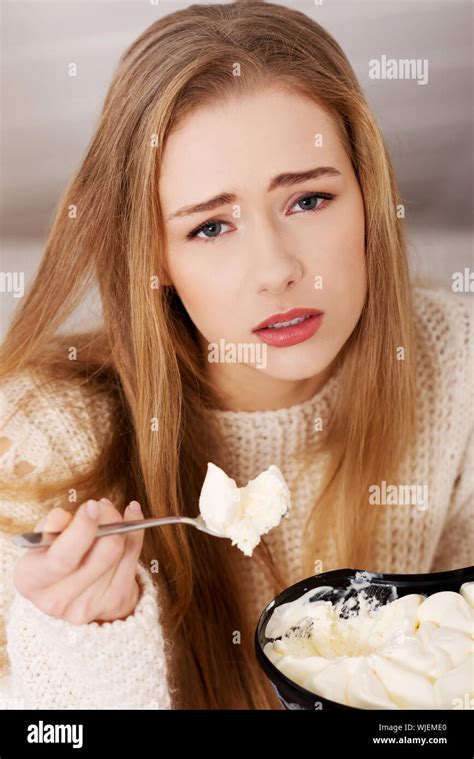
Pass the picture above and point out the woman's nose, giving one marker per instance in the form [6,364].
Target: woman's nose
[275,267]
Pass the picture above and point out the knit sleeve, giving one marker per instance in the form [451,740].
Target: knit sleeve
[114,665]
[46,662]
[456,545]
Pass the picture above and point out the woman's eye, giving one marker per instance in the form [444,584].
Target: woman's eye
[213,229]
[210,230]
[313,202]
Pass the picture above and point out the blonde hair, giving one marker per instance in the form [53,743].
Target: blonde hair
[146,357]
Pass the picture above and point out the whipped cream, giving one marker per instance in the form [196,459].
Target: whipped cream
[244,514]
[415,652]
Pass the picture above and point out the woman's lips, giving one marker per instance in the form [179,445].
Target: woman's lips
[283,337]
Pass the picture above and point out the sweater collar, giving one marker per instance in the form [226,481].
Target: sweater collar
[256,439]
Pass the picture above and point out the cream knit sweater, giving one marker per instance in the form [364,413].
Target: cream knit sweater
[52,664]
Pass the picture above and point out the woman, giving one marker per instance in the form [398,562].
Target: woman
[237,177]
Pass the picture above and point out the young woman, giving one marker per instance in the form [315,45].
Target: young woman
[236,177]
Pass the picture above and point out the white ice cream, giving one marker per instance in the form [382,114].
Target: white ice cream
[415,652]
[244,514]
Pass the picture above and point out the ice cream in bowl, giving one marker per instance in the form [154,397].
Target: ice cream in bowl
[352,639]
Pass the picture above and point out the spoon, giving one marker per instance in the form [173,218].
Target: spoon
[42,539]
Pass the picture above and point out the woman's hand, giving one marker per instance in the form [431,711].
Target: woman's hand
[80,579]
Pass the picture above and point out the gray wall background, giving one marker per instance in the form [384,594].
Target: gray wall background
[47,117]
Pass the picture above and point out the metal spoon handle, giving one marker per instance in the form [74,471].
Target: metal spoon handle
[43,539]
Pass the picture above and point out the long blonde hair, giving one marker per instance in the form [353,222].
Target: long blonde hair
[146,356]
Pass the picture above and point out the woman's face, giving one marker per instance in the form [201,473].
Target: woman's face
[275,245]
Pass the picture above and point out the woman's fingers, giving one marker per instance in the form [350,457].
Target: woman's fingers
[133,540]
[66,552]
[126,569]
[112,590]
[54,521]
[98,562]
[78,577]
[29,571]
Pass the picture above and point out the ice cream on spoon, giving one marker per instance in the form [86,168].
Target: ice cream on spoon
[244,514]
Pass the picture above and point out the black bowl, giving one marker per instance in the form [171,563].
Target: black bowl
[292,695]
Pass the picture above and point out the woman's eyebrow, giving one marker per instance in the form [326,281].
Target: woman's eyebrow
[282,180]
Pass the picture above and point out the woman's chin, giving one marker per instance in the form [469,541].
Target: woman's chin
[292,372]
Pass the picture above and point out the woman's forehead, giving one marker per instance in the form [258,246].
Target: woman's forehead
[246,143]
